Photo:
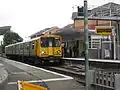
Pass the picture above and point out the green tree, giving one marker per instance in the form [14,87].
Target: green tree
[11,38]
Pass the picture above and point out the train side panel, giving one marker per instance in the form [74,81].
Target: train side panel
[26,49]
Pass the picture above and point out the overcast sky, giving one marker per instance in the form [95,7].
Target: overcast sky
[29,16]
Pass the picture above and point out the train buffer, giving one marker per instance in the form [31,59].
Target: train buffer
[27,86]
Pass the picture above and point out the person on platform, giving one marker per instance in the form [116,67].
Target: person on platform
[75,50]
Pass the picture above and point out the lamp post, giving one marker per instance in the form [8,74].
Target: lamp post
[86,44]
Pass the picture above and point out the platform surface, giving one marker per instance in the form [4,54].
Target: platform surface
[54,81]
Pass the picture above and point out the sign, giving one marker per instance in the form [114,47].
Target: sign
[107,54]
[27,86]
[104,30]
[79,24]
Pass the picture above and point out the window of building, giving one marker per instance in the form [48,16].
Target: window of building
[94,42]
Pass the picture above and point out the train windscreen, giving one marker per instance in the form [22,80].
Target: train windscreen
[57,42]
[50,42]
[44,42]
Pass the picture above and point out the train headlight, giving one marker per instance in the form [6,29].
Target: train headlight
[43,52]
[58,52]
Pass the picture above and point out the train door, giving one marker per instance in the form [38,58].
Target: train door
[32,48]
[35,47]
[38,47]
[57,46]
[44,47]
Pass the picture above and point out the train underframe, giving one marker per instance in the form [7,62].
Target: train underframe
[37,60]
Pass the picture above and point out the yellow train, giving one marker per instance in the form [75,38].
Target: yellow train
[46,48]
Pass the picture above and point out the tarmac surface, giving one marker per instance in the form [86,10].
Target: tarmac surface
[24,72]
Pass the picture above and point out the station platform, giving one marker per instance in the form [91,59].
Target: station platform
[24,72]
[94,63]
[94,60]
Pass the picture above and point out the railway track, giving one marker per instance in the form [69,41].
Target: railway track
[77,74]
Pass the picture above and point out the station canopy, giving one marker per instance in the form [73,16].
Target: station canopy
[70,33]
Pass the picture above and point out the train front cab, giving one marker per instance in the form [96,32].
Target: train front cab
[50,49]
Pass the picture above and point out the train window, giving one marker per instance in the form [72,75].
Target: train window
[44,42]
[28,46]
[57,42]
[21,46]
[32,45]
[50,44]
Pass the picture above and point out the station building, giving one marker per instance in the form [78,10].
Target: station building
[73,34]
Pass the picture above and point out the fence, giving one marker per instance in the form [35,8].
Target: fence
[104,80]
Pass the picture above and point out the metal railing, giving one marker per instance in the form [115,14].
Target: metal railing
[104,80]
[101,79]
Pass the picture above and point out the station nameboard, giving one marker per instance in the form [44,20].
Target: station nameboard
[104,30]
